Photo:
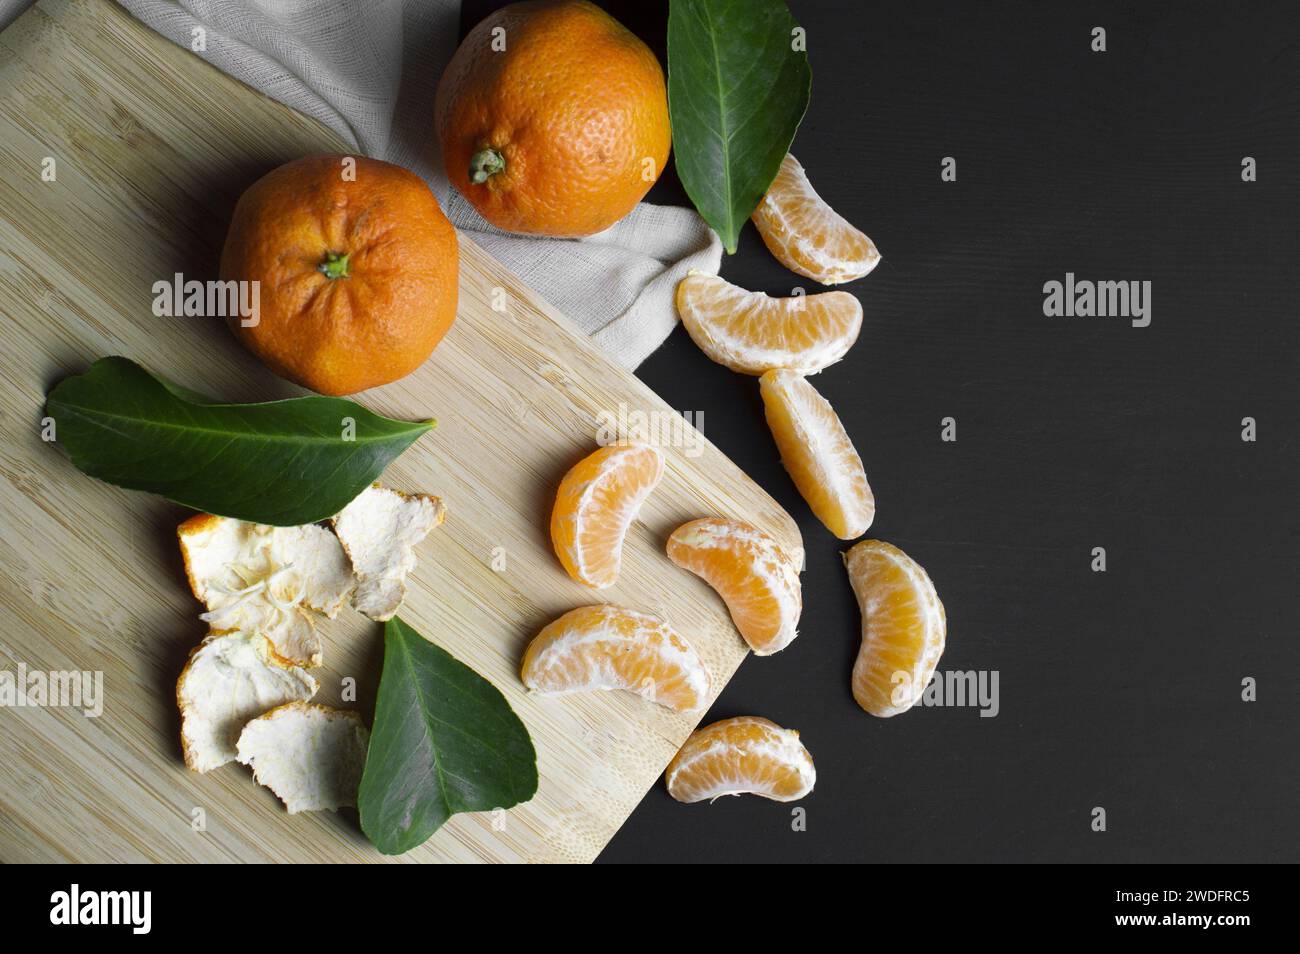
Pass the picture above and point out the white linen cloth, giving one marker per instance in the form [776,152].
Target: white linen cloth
[368,70]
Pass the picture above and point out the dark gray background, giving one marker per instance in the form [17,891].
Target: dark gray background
[1118,689]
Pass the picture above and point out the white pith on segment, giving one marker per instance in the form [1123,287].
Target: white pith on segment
[588,546]
[828,449]
[766,563]
[874,663]
[578,651]
[230,679]
[729,324]
[736,772]
[796,219]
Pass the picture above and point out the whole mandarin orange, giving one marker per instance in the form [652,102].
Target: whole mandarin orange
[553,118]
[357,267]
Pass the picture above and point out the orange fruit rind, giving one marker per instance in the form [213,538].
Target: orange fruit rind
[229,679]
[311,756]
[270,580]
[379,530]
[755,578]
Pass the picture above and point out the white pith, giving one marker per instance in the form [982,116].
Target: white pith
[310,756]
[230,679]
[379,531]
[265,579]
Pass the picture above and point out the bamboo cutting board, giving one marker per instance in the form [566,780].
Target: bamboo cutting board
[151,147]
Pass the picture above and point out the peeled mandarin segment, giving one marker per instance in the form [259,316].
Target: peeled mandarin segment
[751,332]
[752,574]
[818,454]
[747,755]
[597,501]
[609,647]
[903,627]
[806,235]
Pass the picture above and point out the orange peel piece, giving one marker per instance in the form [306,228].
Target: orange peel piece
[231,678]
[311,756]
[266,579]
[379,531]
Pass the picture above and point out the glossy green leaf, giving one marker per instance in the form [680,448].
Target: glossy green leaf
[738,85]
[445,740]
[282,462]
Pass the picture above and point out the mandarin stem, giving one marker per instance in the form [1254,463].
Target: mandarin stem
[334,266]
[484,163]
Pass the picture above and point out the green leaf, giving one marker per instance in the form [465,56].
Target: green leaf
[736,93]
[444,741]
[282,462]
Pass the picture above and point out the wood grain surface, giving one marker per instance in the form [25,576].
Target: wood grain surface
[152,147]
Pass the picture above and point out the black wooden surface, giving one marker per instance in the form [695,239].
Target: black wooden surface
[1120,690]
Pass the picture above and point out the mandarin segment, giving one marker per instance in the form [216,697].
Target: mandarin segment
[818,454]
[608,647]
[806,235]
[596,503]
[751,332]
[753,575]
[747,755]
[903,627]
